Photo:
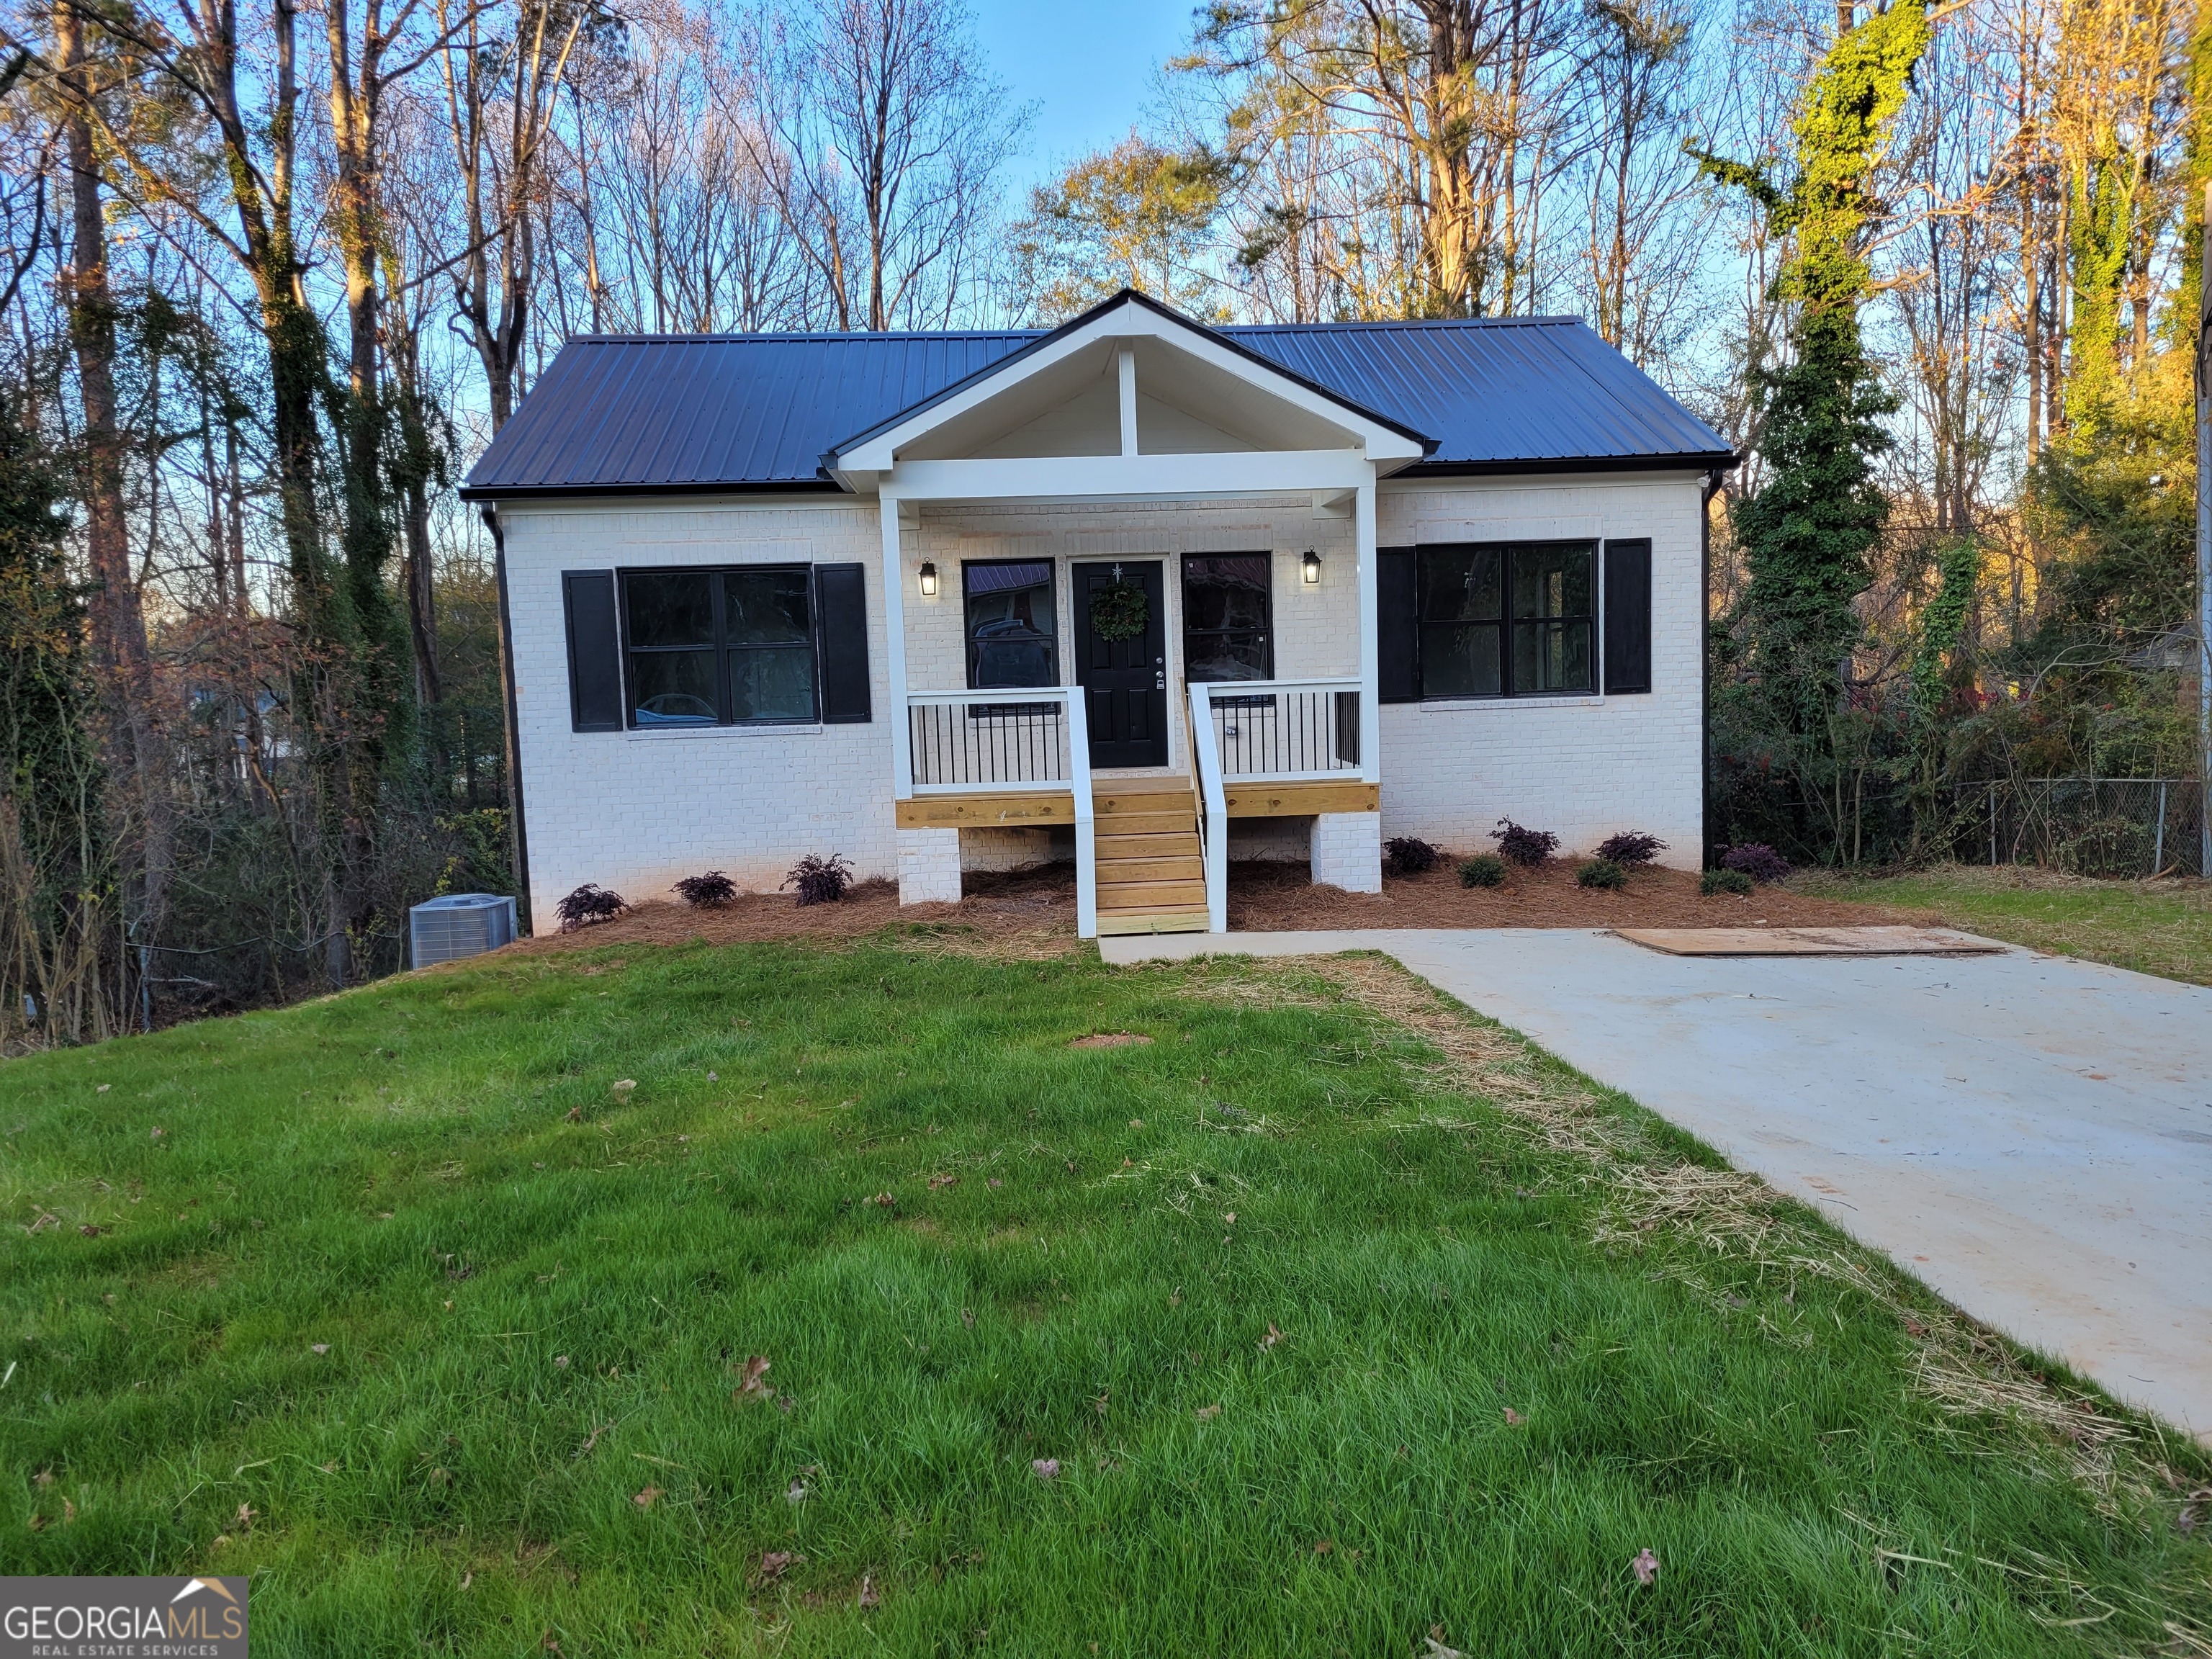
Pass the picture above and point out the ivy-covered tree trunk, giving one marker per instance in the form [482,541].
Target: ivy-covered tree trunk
[58,936]
[1807,534]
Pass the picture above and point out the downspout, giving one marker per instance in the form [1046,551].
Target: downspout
[1706,662]
[520,841]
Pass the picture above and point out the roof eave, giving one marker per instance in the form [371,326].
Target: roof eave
[1687,461]
[816,486]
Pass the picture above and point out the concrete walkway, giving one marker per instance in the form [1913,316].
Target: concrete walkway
[2031,1135]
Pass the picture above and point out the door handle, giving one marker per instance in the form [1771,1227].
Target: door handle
[1160,679]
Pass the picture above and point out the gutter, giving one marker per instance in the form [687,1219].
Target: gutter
[1705,658]
[520,835]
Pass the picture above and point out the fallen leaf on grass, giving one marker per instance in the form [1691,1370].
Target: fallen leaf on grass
[68,1512]
[319,1347]
[1272,1337]
[1324,1547]
[1646,1567]
[43,1479]
[1436,1648]
[869,1595]
[647,1497]
[968,1317]
[1112,1040]
[560,1362]
[623,1090]
[1045,1468]
[104,1087]
[244,1519]
[1513,1418]
[774,1563]
[749,1386]
[91,1231]
[1207,1413]
[883,1201]
[797,1494]
[575,1115]
[944,1181]
[995,1182]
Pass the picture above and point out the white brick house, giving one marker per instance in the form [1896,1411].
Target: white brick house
[1138,593]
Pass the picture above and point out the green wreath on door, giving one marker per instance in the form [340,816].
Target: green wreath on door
[1118,610]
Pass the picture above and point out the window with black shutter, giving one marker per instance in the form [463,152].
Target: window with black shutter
[1498,619]
[719,647]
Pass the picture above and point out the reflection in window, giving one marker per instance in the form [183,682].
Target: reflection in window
[1013,633]
[719,647]
[1227,618]
[1515,619]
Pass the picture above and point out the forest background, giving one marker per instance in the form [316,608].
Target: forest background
[272,274]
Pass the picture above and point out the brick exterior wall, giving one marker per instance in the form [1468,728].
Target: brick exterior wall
[1347,851]
[1582,767]
[635,811]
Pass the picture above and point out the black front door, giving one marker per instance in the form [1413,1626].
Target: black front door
[1124,680]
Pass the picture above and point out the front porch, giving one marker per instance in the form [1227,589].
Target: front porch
[1129,580]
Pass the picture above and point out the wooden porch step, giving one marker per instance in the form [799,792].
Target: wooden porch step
[1154,822]
[1167,845]
[1114,923]
[1150,895]
[1176,866]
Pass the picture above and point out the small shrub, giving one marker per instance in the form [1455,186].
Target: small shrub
[1602,873]
[708,892]
[1483,870]
[1630,848]
[1756,860]
[820,880]
[1529,847]
[1408,855]
[586,905]
[1716,882]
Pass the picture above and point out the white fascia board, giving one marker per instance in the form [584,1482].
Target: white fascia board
[1127,321]
[1064,476]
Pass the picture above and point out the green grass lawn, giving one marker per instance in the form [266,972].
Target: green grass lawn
[1338,1331]
[2153,926]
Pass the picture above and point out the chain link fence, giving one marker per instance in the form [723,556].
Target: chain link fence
[2130,828]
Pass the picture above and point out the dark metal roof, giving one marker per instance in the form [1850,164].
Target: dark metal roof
[724,413]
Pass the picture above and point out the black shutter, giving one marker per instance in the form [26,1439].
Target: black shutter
[1628,617]
[841,607]
[595,685]
[1397,637]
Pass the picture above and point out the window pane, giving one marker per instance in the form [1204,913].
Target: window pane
[671,607]
[1458,584]
[1012,629]
[1226,592]
[672,687]
[1238,656]
[1552,657]
[1459,659]
[775,682]
[1551,581]
[764,607]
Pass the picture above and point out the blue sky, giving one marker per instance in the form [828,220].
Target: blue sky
[1087,67]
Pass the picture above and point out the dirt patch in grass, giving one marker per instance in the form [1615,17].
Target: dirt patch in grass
[1271,898]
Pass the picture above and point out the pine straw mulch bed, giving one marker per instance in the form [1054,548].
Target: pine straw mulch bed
[1033,911]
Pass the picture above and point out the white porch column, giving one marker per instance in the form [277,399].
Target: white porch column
[928,859]
[888,506]
[1370,677]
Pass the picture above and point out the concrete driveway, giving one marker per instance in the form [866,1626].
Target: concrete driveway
[2031,1135]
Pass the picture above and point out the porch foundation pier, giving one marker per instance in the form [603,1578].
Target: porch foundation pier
[1347,851]
[929,866]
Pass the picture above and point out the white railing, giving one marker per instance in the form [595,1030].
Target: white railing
[967,742]
[1212,809]
[1033,738]
[1278,731]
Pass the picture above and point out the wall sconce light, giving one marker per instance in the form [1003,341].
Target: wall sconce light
[928,579]
[1309,568]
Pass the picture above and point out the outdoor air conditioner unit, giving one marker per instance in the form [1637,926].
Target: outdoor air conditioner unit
[460,925]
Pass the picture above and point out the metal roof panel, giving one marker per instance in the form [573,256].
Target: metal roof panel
[637,413]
